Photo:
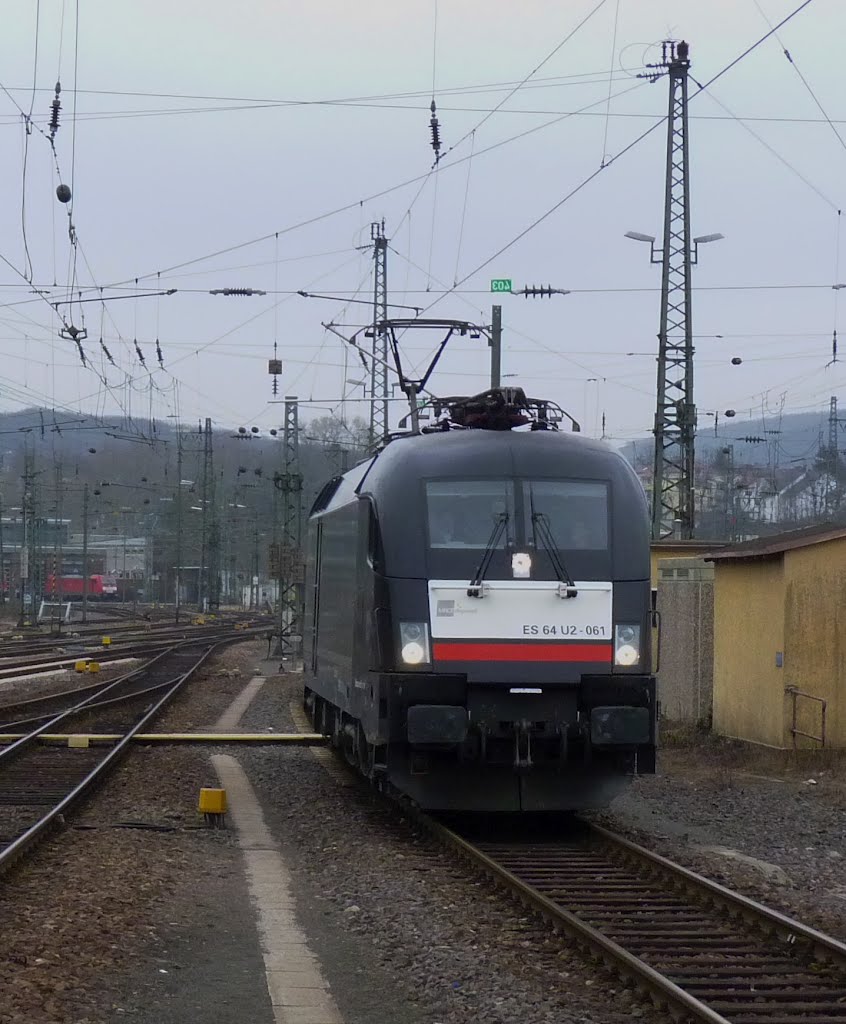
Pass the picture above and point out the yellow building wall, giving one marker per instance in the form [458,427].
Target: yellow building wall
[748,632]
[815,638]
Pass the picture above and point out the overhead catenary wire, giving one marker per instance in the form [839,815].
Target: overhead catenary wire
[357,203]
[802,78]
[771,149]
[610,82]
[556,49]
[464,207]
[27,129]
[626,149]
[836,296]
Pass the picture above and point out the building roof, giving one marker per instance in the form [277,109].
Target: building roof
[668,544]
[777,544]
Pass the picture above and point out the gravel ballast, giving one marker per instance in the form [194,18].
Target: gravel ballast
[716,799]
[137,913]
[461,951]
[134,898]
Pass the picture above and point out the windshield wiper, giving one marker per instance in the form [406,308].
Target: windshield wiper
[475,589]
[540,528]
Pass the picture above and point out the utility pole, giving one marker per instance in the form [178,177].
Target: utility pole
[832,493]
[58,551]
[495,342]
[85,553]
[209,577]
[254,576]
[379,362]
[178,573]
[3,577]
[673,511]
[675,416]
[290,483]
[27,507]
[729,516]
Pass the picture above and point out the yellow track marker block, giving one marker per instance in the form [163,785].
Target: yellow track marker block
[93,666]
[81,665]
[106,641]
[212,801]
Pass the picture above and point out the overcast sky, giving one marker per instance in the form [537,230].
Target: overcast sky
[231,142]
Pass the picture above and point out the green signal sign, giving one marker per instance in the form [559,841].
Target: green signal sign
[501,284]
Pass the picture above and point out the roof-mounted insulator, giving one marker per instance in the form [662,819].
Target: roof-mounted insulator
[55,109]
[435,127]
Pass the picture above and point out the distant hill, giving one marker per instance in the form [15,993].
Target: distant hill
[785,440]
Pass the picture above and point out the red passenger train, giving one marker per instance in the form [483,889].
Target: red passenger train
[69,588]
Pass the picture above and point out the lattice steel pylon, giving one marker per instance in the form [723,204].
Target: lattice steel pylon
[675,414]
[379,350]
[290,557]
[832,493]
[209,580]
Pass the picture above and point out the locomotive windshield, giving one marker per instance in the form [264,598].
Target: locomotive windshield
[463,513]
[575,511]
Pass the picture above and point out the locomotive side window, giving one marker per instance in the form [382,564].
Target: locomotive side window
[575,511]
[463,513]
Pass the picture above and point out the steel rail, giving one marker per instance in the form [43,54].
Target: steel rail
[88,703]
[23,842]
[91,705]
[20,745]
[47,662]
[46,698]
[79,634]
[743,906]
[27,666]
[614,955]
[753,995]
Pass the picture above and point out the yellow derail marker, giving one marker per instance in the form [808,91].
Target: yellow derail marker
[212,806]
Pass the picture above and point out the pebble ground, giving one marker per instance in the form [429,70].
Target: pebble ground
[137,913]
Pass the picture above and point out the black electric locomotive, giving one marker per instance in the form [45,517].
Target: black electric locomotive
[477,614]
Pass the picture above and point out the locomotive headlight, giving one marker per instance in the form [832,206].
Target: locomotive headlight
[626,645]
[414,643]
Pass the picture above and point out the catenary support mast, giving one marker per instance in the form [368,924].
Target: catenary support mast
[290,483]
[379,363]
[675,415]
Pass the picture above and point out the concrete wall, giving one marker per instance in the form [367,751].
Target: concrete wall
[662,549]
[749,632]
[815,631]
[686,671]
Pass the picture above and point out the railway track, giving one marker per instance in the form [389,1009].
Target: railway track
[77,635]
[40,784]
[703,952]
[135,646]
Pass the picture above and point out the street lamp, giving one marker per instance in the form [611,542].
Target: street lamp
[657,255]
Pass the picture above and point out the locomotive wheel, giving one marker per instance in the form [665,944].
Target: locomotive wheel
[349,746]
[366,754]
[323,717]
